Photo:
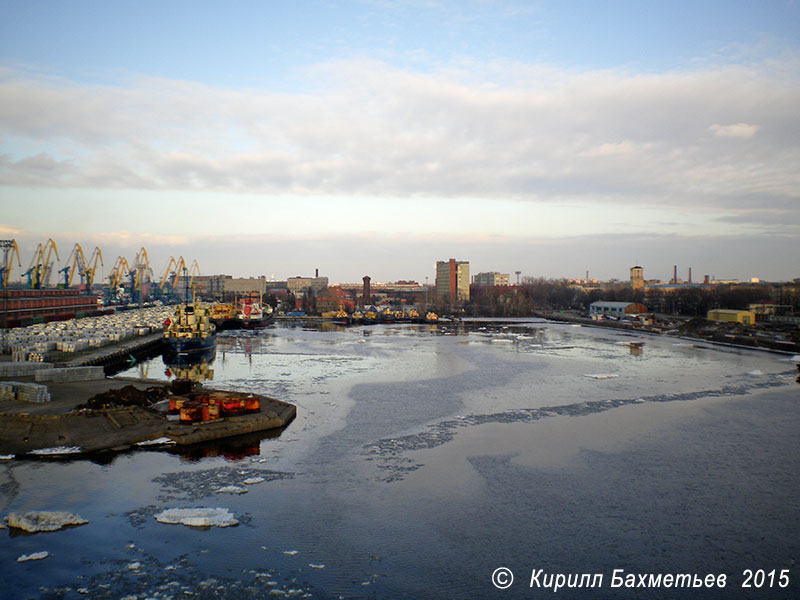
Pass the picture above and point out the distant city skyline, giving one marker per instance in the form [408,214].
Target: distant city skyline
[375,138]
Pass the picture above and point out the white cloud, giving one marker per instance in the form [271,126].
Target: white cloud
[487,131]
[739,130]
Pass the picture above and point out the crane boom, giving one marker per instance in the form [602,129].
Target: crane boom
[91,266]
[9,248]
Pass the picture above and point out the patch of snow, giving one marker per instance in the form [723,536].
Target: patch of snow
[34,556]
[601,375]
[197,517]
[6,456]
[134,566]
[231,489]
[35,521]
[252,480]
[755,372]
[57,450]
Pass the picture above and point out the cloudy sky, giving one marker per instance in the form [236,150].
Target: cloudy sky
[376,137]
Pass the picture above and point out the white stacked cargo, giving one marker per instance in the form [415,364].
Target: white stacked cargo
[70,374]
[19,353]
[24,392]
[75,346]
[22,369]
[44,346]
[79,333]
[7,391]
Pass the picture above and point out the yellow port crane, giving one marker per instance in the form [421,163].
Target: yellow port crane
[174,268]
[91,266]
[141,266]
[41,266]
[118,272]
[194,270]
[75,262]
[9,249]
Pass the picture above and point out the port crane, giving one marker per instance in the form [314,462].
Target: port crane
[9,249]
[41,266]
[90,268]
[118,272]
[75,262]
[140,273]
[171,277]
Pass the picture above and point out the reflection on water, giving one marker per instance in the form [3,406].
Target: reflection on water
[425,456]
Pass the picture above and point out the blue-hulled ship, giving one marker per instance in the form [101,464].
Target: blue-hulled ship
[189,332]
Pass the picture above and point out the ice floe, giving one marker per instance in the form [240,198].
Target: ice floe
[33,556]
[162,441]
[197,517]
[253,480]
[57,450]
[232,489]
[290,552]
[36,521]
[601,375]
[316,566]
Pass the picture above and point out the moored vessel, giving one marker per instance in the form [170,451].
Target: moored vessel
[190,331]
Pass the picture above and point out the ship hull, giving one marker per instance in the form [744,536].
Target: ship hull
[190,346]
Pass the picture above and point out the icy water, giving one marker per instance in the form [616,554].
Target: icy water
[424,458]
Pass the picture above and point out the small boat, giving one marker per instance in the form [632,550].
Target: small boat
[223,315]
[252,314]
[190,331]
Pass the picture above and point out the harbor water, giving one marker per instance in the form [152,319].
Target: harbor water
[426,457]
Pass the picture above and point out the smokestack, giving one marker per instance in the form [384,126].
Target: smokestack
[316,273]
[366,294]
[675,274]
[690,274]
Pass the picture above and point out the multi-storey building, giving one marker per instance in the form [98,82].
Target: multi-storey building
[452,280]
[491,279]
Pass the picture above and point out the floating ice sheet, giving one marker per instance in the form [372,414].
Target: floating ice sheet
[36,521]
[162,441]
[57,450]
[232,489]
[197,517]
[33,556]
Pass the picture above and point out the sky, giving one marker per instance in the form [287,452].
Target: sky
[376,137]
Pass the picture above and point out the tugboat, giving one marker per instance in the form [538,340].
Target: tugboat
[252,314]
[223,315]
[190,332]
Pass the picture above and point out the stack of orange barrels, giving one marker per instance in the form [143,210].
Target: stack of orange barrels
[213,406]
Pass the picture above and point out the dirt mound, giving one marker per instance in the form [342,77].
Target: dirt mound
[126,396]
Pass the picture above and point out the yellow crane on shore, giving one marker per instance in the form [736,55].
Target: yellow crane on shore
[91,266]
[118,272]
[41,266]
[9,249]
[77,263]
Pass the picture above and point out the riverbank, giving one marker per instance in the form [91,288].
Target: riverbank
[695,330]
